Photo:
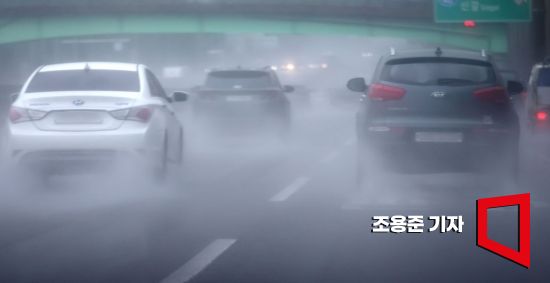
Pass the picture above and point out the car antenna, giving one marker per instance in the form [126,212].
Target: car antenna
[87,67]
[438,52]
[392,51]
[483,53]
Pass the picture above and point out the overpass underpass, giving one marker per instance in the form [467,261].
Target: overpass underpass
[37,36]
[490,37]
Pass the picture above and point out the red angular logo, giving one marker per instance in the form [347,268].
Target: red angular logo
[522,201]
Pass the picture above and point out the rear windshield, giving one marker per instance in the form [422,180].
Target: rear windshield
[543,87]
[438,71]
[85,80]
[239,80]
[544,77]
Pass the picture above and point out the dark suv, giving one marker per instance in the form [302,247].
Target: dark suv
[237,100]
[439,105]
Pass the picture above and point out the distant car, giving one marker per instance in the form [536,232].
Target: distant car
[301,96]
[537,104]
[238,100]
[437,104]
[94,113]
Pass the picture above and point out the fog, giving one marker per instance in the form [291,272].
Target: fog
[293,204]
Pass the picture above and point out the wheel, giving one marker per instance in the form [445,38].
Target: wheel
[502,166]
[179,160]
[161,171]
[283,129]
[511,167]
[34,178]
[364,168]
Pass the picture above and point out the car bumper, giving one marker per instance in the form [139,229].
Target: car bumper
[133,141]
[469,140]
[241,120]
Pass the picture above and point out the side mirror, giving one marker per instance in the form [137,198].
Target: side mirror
[14,96]
[515,87]
[357,85]
[288,88]
[179,96]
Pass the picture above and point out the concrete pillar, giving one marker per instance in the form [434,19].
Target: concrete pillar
[529,43]
[546,34]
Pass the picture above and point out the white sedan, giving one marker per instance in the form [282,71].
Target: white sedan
[94,113]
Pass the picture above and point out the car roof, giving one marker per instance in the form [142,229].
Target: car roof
[545,64]
[445,53]
[239,70]
[114,66]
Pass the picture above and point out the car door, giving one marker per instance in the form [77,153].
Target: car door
[173,127]
[284,103]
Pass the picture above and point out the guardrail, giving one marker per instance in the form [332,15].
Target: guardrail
[402,9]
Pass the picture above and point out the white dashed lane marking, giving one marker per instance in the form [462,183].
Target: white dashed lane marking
[200,261]
[330,157]
[290,189]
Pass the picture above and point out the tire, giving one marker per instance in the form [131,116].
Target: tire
[181,151]
[283,131]
[161,172]
[503,166]
[364,168]
[35,178]
[511,168]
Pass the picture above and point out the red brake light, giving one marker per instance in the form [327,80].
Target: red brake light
[15,115]
[144,114]
[541,116]
[470,24]
[493,94]
[385,92]
[18,115]
[140,114]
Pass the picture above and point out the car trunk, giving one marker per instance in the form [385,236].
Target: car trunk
[240,95]
[79,111]
[437,106]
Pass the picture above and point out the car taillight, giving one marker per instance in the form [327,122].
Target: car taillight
[541,116]
[385,92]
[140,114]
[18,114]
[492,94]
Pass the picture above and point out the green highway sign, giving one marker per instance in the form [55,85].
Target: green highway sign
[496,11]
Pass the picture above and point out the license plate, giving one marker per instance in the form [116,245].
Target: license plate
[78,117]
[238,98]
[439,137]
